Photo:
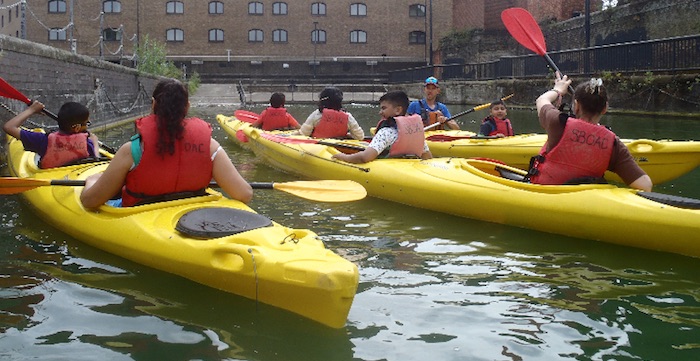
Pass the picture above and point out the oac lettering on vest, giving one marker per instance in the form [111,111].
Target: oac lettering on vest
[580,136]
[196,148]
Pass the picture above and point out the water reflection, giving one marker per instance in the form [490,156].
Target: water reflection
[432,286]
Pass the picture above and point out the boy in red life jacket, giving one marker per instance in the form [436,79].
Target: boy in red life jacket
[580,148]
[431,110]
[70,143]
[330,120]
[397,135]
[276,116]
[496,124]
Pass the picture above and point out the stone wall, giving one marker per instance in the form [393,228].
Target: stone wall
[52,76]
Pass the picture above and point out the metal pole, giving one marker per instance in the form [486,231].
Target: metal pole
[102,18]
[70,31]
[431,34]
[587,26]
[23,22]
[138,22]
[425,31]
[315,39]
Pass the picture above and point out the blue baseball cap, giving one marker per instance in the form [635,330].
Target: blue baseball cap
[432,80]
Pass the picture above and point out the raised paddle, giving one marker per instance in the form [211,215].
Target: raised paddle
[523,27]
[321,190]
[8,91]
[478,107]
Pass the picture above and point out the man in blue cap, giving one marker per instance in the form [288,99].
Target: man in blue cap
[431,110]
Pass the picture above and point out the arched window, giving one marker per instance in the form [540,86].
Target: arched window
[279,36]
[175,35]
[112,6]
[255,36]
[174,7]
[255,8]
[416,37]
[279,8]
[318,9]
[358,9]
[216,7]
[57,34]
[57,6]
[216,35]
[358,36]
[416,11]
[318,36]
[110,34]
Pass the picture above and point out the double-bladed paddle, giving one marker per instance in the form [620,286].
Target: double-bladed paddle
[525,30]
[478,107]
[8,91]
[321,190]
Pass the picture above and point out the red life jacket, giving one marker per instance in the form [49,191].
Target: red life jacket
[430,117]
[274,119]
[583,151]
[411,136]
[189,169]
[64,148]
[503,126]
[333,124]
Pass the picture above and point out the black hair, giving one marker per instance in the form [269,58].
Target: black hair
[277,100]
[591,96]
[171,97]
[497,102]
[72,113]
[397,98]
[331,98]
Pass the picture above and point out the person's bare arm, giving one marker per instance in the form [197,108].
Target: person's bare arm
[13,126]
[643,183]
[367,155]
[227,177]
[99,188]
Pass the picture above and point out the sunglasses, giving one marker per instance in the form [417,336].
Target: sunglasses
[431,80]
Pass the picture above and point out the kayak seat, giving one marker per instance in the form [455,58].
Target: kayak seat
[214,222]
[509,174]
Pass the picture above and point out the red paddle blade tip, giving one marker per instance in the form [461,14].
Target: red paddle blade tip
[8,91]
[523,27]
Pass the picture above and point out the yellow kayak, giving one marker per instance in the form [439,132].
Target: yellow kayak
[494,192]
[209,239]
[663,160]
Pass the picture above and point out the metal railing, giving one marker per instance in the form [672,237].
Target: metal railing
[671,55]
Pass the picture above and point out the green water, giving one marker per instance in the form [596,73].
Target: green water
[432,286]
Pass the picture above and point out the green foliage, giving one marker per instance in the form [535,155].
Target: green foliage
[193,83]
[457,40]
[151,57]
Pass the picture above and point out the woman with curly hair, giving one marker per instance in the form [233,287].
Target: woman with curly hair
[170,157]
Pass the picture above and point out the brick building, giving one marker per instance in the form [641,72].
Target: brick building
[269,36]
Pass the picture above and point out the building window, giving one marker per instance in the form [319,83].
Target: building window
[318,9]
[416,37]
[318,36]
[255,8]
[279,36]
[112,6]
[57,6]
[358,9]
[57,34]
[111,34]
[216,7]
[175,35]
[255,36]
[174,7]
[216,35]
[279,8]
[358,36]
[416,11]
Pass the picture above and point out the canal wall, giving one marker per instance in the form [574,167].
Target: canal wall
[52,76]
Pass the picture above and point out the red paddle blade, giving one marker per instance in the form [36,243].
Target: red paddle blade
[523,27]
[240,135]
[246,116]
[7,91]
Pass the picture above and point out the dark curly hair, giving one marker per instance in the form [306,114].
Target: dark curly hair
[171,97]
[331,98]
